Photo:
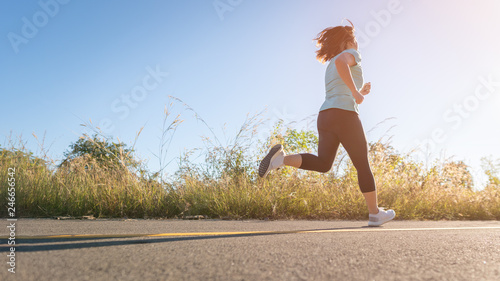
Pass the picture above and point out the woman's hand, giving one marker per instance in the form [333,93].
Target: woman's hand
[365,90]
[358,97]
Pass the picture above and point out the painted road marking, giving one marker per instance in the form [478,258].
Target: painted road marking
[236,233]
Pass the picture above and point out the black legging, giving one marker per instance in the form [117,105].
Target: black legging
[337,126]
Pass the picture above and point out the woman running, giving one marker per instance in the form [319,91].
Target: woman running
[338,121]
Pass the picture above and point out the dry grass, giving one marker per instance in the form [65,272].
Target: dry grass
[226,185]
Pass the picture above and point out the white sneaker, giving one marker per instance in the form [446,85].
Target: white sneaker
[273,160]
[381,217]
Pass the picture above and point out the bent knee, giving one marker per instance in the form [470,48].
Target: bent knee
[324,169]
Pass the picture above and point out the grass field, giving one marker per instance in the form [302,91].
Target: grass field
[226,185]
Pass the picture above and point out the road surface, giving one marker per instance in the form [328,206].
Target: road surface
[250,250]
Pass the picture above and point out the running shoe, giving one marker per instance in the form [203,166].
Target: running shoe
[273,160]
[381,217]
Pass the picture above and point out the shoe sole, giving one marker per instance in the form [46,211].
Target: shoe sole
[371,223]
[266,162]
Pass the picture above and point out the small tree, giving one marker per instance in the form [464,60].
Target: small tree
[16,156]
[456,174]
[103,151]
[492,170]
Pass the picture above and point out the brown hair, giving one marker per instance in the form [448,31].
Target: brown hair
[332,41]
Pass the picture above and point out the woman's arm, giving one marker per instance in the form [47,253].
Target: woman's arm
[342,63]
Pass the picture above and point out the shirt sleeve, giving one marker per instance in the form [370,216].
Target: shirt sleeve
[356,54]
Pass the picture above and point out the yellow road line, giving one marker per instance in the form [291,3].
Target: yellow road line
[234,233]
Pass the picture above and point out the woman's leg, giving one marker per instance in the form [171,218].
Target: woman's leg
[371,201]
[337,126]
[352,137]
[328,145]
[294,160]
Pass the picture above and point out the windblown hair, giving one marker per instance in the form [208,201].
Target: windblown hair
[332,41]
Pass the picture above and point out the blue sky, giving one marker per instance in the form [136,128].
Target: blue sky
[117,62]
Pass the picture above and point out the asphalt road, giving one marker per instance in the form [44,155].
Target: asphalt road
[251,250]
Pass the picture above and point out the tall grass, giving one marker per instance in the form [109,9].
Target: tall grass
[226,184]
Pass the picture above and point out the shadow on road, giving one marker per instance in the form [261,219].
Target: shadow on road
[62,243]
